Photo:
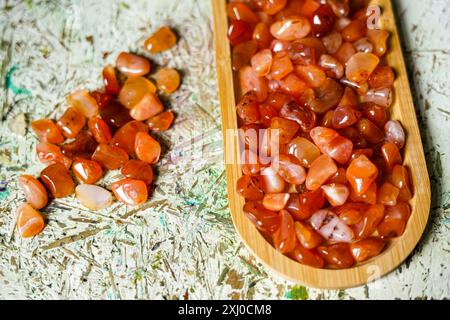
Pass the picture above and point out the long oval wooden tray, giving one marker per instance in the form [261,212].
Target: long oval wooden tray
[402,110]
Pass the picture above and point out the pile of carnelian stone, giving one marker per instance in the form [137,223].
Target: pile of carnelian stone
[313,73]
[100,131]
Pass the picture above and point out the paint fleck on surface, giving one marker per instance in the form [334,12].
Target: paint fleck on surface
[10,85]
[297,293]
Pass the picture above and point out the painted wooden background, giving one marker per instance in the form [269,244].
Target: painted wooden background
[181,244]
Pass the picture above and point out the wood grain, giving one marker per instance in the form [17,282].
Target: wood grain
[402,110]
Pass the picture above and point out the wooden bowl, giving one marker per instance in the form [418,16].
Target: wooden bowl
[402,109]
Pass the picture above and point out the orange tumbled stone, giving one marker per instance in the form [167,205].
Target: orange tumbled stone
[275,201]
[303,205]
[125,137]
[370,221]
[147,107]
[87,171]
[34,191]
[161,122]
[134,90]
[99,130]
[83,146]
[307,236]
[57,180]
[250,81]
[361,173]
[138,170]
[84,103]
[320,171]
[248,188]
[161,40]
[110,81]
[387,194]
[394,221]
[399,177]
[168,80]
[308,257]
[265,220]
[304,150]
[284,239]
[337,256]
[147,149]
[47,131]
[130,191]
[367,248]
[132,65]
[50,153]
[290,169]
[110,157]
[30,222]
[71,122]
[391,155]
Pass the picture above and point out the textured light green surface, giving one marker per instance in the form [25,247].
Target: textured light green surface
[181,244]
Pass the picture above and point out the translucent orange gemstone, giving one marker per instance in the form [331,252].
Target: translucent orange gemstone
[351,213]
[381,77]
[337,256]
[134,90]
[344,117]
[327,119]
[332,144]
[262,62]
[304,116]
[284,239]
[83,146]
[103,99]
[84,103]
[47,131]
[391,155]
[336,194]
[147,107]
[71,122]
[291,28]
[379,40]
[360,66]
[339,177]
[34,191]
[387,194]
[271,181]
[161,40]
[50,153]
[125,137]
[370,221]
[286,129]
[265,220]
[368,248]
[262,36]
[130,191]
[293,85]
[248,188]
[312,75]
[320,171]
[370,196]
[132,65]
[354,31]
[290,169]
[309,7]
[281,66]
[242,54]
[57,180]
[115,115]
[110,157]
[361,173]
[239,11]
[327,96]
[167,80]
[239,31]
[308,257]
[250,81]
[30,222]
[110,81]
[378,115]
[303,205]
[161,122]
[266,114]
[138,170]
[99,130]
[370,131]
[147,149]
[306,235]
[275,201]
[349,98]
[400,178]
[87,171]
[345,52]
[394,222]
